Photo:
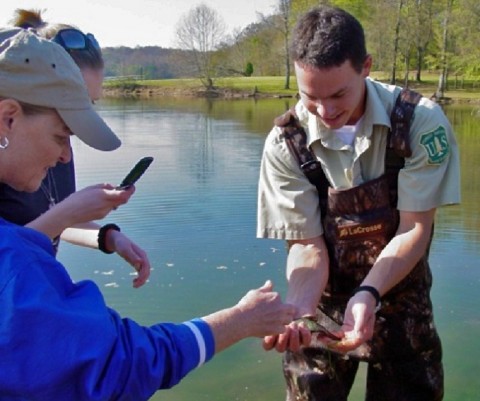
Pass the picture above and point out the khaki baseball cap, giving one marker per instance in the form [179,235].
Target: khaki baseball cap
[41,73]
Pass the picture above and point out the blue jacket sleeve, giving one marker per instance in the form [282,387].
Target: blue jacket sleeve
[59,341]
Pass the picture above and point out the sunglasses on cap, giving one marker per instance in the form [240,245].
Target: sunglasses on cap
[73,39]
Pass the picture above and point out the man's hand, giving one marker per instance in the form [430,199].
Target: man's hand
[358,324]
[293,338]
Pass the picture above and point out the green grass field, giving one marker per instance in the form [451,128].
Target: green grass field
[457,89]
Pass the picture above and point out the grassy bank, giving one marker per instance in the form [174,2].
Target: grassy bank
[458,90]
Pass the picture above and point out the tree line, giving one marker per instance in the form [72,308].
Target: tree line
[405,37]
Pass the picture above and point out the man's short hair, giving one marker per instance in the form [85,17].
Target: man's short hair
[326,37]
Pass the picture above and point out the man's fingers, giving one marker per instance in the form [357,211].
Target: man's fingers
[269,342]
[294,340]
[305,336]
[282,342]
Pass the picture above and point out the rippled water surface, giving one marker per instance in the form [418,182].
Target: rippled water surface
[194,213]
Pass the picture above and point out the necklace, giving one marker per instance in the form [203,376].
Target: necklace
[50,192]
[50,189]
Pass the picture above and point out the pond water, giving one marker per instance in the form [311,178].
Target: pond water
[194,212]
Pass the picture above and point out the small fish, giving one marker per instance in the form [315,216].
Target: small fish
[316,327]
[327,339]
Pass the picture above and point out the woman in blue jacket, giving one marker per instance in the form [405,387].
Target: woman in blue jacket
[58,339]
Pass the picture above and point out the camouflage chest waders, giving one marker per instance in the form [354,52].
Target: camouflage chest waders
[404,359]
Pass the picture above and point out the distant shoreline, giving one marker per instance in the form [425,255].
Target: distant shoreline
[148,91]
[201,92]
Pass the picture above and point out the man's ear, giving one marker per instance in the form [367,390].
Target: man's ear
[10,109]
[367,66]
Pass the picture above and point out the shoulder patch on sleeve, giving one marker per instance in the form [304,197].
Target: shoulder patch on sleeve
[436,145]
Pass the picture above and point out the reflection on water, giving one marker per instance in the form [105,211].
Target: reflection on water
[194,213]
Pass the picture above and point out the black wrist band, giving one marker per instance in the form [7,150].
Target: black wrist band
[371,290]
[102,235]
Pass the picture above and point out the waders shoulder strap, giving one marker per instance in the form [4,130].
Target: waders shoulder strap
[296,139]
[400,119]
[398,144]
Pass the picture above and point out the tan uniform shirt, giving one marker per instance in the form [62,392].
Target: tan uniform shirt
[288,203]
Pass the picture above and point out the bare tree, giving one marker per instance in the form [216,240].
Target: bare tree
[407,37]
[442,80]
[423,32]
[396,39]
[284,6]
[200,31]
[281,22]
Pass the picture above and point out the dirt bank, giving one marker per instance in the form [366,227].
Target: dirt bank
[151,91]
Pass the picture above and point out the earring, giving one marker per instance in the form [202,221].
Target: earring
[4,142]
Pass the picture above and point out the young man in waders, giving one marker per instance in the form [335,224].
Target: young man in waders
[351,179]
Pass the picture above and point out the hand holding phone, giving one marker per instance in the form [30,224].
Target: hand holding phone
[136,172]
